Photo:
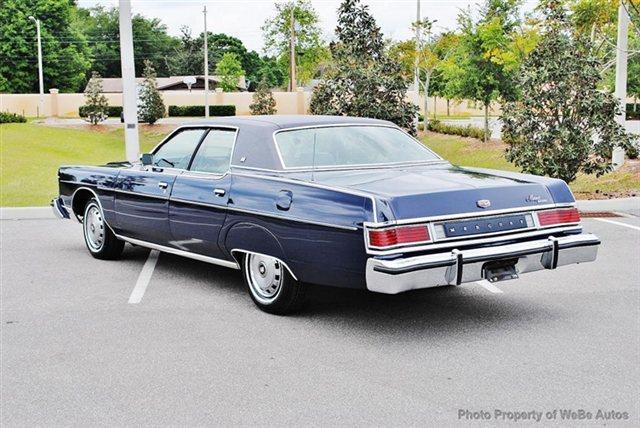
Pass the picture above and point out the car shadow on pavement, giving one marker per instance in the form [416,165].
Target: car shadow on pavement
[435,312]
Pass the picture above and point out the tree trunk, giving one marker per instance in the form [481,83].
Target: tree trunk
[486,122]
[426,100]
[448,114]
[435,106]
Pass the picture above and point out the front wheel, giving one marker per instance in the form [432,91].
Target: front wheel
[271,286]
[101,241]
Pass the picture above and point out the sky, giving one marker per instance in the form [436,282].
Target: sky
[244,18]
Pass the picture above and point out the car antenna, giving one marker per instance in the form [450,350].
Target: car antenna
[313,159]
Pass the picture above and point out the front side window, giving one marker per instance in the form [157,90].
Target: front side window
[349,146]
[177,152]
[214,154]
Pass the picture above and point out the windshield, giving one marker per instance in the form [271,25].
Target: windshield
[349,146]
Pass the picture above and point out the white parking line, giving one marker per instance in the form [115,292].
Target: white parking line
[489,286]
[619,223]
[144,277]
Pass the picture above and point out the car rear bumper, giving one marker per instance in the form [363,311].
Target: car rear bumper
[468,265]
[59,209]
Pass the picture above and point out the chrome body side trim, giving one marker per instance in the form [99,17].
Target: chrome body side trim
[178,252]
[240,250]
[468,265]
[344,168]
[142,195]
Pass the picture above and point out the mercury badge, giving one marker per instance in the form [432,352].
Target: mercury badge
[483,203]
[535,198]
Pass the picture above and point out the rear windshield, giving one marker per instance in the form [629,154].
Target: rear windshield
[349,146]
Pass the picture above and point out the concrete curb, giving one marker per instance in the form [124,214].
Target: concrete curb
[26,213]
[621,204]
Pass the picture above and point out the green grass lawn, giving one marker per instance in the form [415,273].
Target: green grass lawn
[470,152]
[30,155]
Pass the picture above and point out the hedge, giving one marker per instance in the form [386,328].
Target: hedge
[6,117]
[633,115]
[112,111]
[463,131]
[194,111]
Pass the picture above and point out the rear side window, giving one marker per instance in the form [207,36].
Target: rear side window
[214,154]
[177,152]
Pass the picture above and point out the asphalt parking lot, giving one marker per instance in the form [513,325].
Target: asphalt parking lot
[195,351]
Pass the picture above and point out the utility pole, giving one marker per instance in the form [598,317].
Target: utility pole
[41,100]
[617,157]
[416,66]
[292,52]
[206,65]
[129,90]
[427,78]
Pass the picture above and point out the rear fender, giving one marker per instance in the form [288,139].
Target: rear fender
[245,237]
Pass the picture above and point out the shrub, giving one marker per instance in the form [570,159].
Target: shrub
[6,117]
[563,124]
[112,111]
[631,113]
[263,101]
[463,131]
[634,150]
[151,106]
[186,111]
[95,101]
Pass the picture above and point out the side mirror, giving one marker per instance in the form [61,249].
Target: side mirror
[147,159]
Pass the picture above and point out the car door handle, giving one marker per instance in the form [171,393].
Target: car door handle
[219,192]
[163,185]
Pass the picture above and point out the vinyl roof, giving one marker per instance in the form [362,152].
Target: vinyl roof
[288,121]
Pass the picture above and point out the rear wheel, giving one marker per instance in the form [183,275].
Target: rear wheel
[101,241]
[271,287]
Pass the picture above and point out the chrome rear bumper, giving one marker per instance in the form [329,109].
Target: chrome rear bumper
[59,209]
[467,265]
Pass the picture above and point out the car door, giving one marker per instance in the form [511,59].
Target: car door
[142,192]
[200,195]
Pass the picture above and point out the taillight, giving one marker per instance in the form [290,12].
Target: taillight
[560,216]
[401,235]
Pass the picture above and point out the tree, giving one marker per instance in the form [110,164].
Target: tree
[96,106]
[150,42]
[230,70]
[309,48]
[263,101]
[431,54]
[64,49]
[151,106]
[485,64]
[365,81]
[271,73]
[563,124]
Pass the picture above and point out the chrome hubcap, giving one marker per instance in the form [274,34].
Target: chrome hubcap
[265,276]
[94,228]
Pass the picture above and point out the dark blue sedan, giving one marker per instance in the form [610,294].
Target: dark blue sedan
[340,201]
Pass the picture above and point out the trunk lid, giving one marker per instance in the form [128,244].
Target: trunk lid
[439,190]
